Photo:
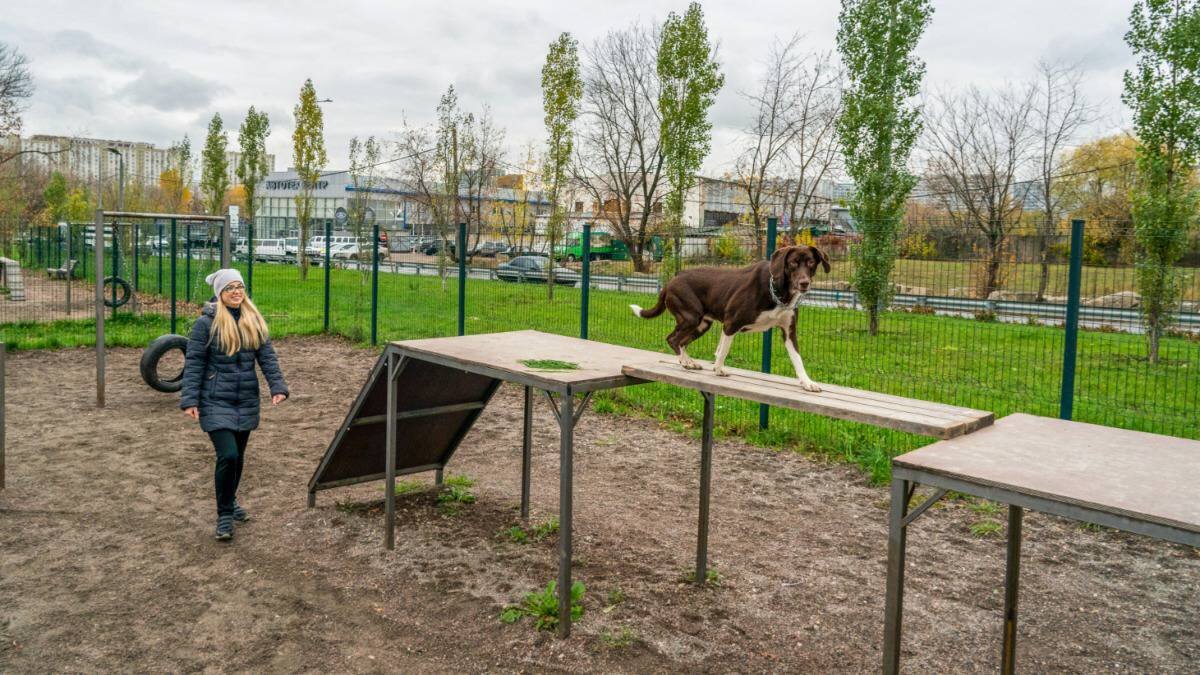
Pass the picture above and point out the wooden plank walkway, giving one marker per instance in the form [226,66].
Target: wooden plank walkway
[882,410]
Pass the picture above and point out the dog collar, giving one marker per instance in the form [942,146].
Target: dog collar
[774,296]
[779,303]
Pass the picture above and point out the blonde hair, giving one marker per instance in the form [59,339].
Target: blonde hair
[250,332]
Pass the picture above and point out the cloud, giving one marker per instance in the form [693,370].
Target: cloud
[170,89]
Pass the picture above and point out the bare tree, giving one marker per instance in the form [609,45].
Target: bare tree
[619,161]
[1059,112]
[772,131]
[978,143]
[814,153]
[482,152]
[16,85]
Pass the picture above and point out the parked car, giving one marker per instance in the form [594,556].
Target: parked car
[404,244]
[435,247]
[534,269]
[515,251]
[489,249]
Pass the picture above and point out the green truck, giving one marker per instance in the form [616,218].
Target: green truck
[604,247]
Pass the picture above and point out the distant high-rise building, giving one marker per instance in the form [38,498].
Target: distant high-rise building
[88,159]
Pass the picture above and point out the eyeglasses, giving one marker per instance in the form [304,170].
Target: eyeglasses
[233,287]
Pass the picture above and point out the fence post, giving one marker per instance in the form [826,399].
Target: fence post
[174,265]
[587,280]
[187,263]
[1070,342]
[328,242]
[764,411]
[226,231]
[116,265]
[462,278]
[160,257]
[374,283]
[133,246]
[250,258]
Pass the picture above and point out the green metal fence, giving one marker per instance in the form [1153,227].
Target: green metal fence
[1044,321]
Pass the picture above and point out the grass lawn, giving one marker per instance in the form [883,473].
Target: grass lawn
[999,367]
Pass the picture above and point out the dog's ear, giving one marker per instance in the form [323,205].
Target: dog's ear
[821,258]
[778,266]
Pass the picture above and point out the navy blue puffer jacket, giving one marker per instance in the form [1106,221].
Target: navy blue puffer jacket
[224,387]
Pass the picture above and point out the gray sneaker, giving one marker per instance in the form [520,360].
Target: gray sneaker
[239,514]
[224,528]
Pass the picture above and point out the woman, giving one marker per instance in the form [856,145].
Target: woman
[220,387]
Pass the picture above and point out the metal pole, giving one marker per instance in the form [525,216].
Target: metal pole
[187,263]
[390,500]
[133,246]
[160,258]
[375,284]
[2,364]
[706,444]
[99,262]
[586,281]
[116,266]
[764,411]
[328,243]
[1012,584]
[250,259]
[70,272]
[1070,342]
[526,452]
[894,599]
[226,230]
[566,449]
[462,278]
[174,265]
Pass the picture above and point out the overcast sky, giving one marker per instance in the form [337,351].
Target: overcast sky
[153,71]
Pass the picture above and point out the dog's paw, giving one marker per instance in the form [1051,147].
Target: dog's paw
[809,385]
[721,372]
[692,365]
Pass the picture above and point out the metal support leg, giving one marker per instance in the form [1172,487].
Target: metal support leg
[437,477]
[705,485]
[526,453]
[389,499]
[1012,583]
[312,499]
[566,426]
[894,612]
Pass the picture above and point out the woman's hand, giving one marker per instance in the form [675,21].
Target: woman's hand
[192,412]
[278,398]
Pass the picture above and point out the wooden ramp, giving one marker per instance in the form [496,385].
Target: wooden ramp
[435,407]
[882,410]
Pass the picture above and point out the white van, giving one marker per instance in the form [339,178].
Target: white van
[316,245]
[267,250]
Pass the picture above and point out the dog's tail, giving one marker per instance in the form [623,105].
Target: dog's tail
[653,311]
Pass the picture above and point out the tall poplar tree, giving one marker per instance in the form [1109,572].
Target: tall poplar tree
[214,169]
[252,162]
[309,157]
[562,89]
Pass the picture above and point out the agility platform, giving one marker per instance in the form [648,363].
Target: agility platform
[423,396]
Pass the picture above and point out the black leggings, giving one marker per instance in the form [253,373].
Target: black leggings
[231,451]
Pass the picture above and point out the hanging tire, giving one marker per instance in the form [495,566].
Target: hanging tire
[126,292]
[158,348]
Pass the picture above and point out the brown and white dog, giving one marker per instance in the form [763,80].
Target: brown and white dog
[747,300]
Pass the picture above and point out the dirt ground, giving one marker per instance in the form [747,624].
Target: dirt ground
[107,560]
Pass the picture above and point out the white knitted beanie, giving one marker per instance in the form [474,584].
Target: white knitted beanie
[222,278]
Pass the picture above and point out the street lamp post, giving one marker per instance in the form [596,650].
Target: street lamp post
[120,178]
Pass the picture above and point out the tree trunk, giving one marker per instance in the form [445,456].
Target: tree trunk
[993,267]
[1154,334]
[873,327]
[1044,280]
